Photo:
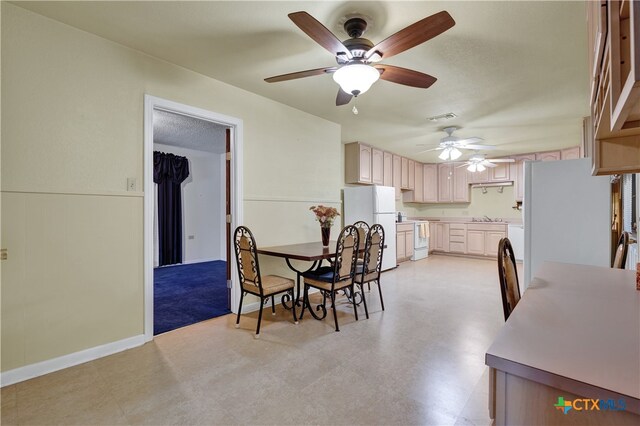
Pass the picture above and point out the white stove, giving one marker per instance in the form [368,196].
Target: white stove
[420,240]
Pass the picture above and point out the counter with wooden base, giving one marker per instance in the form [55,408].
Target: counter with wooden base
[570,352]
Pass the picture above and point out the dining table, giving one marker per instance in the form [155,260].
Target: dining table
[313,252]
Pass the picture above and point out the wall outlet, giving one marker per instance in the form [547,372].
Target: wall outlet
[131,184]
[191,237]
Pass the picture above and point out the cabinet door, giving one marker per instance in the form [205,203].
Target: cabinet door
[442,237]
[430,183]
[492,239]
[401,246]
[404,164]
[445,182]
[475,242]
[500,173]
[397,174]
[412,175]
[357,163]
[460,185]
[432,236]
[418,191]
[519,177]
[570,153]
[548,156]
[365,163]
[409,243]
[387,179]
[377,166]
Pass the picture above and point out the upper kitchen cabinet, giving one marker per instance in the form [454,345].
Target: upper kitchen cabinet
[397,175]
[518,168]
[430,183]
[357,163]
[377,166]
[572,153]
[460,193]
[417,194]
[478,177]
[387,172]
[614,37]
[548,156]
[500,173]
[404,174]
[412,174]
[445,183]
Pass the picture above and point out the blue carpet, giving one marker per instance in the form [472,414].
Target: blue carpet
[187,294]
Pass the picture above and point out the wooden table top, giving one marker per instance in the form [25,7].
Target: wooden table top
[305,251]
[576,326]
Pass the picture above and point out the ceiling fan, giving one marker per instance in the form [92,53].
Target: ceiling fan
[354,56]
[451,145]
[478,163]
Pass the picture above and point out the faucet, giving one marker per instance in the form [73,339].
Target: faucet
[487,218]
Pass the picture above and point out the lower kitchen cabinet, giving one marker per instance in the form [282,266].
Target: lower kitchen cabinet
[457,238]
[475,242]
[491,241]
[404,241]
[441,242]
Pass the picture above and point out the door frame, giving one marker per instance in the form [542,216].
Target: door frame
[236,126]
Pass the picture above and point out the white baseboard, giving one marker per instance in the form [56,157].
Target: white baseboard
[27,372]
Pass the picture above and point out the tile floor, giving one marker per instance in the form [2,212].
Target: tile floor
[421,361]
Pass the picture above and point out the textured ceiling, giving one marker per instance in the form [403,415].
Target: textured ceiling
[188,132]
[514,72]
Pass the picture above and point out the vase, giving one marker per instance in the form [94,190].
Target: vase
[326,232]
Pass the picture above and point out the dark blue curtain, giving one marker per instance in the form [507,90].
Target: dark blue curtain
[169,171]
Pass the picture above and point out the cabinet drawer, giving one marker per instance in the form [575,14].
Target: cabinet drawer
[457,232]
[404,227]
[486,227]
[456,247]
[457,239]
[458,226]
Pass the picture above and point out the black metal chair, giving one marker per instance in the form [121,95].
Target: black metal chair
[508,274]
[620,259]
[371,267]
[250,279]
[340,276]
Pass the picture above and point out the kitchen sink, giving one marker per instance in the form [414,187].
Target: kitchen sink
[487,219]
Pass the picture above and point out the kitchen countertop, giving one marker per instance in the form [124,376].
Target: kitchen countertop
[577,329]
[507,221]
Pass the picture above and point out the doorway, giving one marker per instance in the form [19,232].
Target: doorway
[193,282]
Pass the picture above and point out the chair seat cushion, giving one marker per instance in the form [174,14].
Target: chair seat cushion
[271,284]
[324,285]
[324,273]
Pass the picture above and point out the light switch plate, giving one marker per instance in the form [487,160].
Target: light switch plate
[131,184]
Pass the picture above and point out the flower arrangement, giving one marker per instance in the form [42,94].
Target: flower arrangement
[325,215]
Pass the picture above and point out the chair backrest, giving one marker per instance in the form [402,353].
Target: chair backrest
[620,260]
[247,258]
[346,253]
[374,248]
[508,274]
[363,230]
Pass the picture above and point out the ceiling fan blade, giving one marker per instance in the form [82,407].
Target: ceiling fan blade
[319,33]
[412,35]
[469,140]
[405,76]
[343,97]
[477,147]
[501,160]
[300,74]
[487,164]
[465,164]
[432,149]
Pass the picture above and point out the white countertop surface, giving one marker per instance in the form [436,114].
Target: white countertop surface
[576,325]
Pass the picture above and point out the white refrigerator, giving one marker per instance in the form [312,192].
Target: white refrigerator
[567,215]
[374,204]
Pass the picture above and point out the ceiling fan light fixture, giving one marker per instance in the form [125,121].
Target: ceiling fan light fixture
[455,153]
[356,78]
[481,168]
[444,155]
[472,168]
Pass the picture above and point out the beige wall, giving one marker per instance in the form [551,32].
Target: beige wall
[492,204]
[71,137]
